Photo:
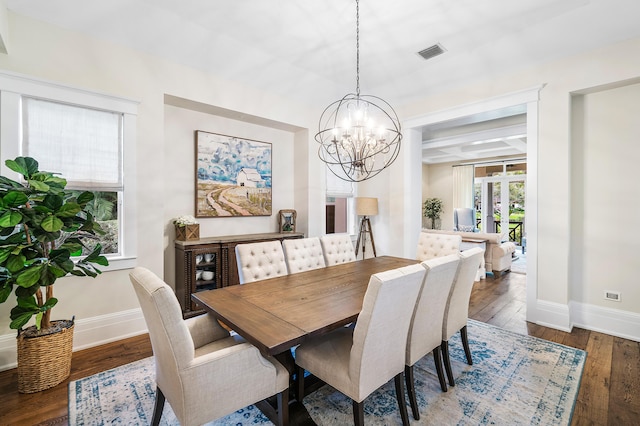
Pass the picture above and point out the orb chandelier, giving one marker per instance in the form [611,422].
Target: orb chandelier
[359,135]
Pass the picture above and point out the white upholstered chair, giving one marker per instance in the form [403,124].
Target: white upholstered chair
[358,360]
[337,249]
[425,332]
[201,370]
[457,309]
[303,254]
[259,261]
[432,245]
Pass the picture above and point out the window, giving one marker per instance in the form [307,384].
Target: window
[86,137]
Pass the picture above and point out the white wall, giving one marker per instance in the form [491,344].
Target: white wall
[562,78]
[179,126]
[606,197]
[106,308]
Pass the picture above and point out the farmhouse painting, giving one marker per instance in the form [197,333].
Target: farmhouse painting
[233,176]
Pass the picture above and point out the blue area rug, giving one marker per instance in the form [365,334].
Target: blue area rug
[515,379]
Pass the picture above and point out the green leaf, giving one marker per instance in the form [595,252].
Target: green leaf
[26,166]
[69,210]
[15,199]
[38,321]
[49,304]
[28,303]
[52,224]
[5,291]
[53,202]
[30,276]
[10,218]
[38,186]
[85,197]
[20,320]
[15,263]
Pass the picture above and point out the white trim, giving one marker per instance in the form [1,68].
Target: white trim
[88,332]
[553,315]
[39,88]
[606,320]
[498,102]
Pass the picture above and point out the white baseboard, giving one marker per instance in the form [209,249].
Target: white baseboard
[553,315]
[88,332]
[606,320]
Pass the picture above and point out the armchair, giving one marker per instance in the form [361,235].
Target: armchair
[464,219]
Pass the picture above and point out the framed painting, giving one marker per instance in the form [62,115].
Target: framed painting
[233,176]
[287,221]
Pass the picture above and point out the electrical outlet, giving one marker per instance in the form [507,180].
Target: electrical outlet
[612,295]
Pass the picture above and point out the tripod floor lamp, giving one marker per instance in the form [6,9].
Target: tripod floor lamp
[366,207]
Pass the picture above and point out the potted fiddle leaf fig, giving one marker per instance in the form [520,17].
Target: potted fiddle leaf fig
[41,225]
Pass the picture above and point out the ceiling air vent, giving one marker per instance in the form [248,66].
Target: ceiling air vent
[432,51]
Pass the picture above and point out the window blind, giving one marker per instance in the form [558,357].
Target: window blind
[84,145]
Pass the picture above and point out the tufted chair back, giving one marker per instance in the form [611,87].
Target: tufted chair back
[337,249]
[303,254]
[259,261]
[432,245]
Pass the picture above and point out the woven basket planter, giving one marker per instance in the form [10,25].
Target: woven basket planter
[188,232]
[44,361]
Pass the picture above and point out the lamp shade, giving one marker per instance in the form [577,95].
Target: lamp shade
[366,206]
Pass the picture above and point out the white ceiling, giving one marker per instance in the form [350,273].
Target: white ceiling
[305,50]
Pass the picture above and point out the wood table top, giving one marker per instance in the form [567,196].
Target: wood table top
[279,313]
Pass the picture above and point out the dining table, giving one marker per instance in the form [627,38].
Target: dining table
[276,314]
[279,313]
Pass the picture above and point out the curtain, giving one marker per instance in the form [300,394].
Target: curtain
[463,186]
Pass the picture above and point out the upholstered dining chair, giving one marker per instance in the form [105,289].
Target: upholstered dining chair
[457,309]
[259,261]
[358,360]
[303,254]
[201,370]
[425,332]
[432,244]
[337,249]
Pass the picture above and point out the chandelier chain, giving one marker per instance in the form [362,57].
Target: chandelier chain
[358,48]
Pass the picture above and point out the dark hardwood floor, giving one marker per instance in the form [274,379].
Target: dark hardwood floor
[609,393]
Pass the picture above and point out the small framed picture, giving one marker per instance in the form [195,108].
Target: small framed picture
[287,220]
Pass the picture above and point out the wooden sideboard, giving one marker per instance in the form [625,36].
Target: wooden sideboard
[210,263]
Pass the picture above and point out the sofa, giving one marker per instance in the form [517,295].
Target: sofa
[497,255]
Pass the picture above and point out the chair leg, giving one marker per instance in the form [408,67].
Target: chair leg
[444,346]
[437,359]
[465,344]
[402,405]
[299,383]
[358,413]
[157,407]
[411,390]
[283,408]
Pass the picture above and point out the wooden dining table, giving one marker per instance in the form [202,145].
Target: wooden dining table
[279,313]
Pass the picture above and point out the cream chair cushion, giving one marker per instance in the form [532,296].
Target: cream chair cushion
[457,309]
[357,361]
[425,332]
[203,372]
[303,254]
[337,249]
[259,261]
[435,245]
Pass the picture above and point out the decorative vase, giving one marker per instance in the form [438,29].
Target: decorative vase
[188,232]
[44,360]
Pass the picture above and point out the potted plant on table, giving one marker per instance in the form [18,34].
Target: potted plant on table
[187,228]
[41,225]
[433,208]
